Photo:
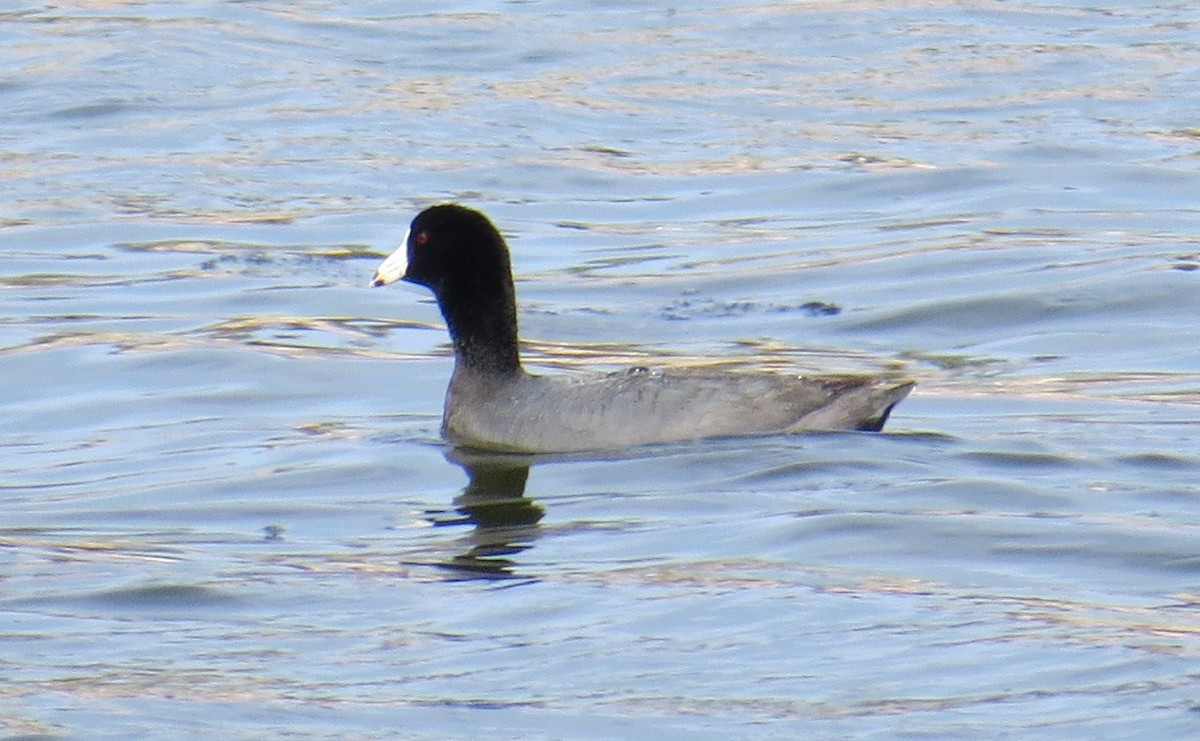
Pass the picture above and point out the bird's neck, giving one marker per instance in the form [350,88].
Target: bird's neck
[484,336]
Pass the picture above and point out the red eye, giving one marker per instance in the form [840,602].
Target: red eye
[421,238]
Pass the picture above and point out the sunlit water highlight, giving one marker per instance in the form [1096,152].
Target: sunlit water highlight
[227,509]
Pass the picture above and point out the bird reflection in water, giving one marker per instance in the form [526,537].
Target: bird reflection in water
[494,502]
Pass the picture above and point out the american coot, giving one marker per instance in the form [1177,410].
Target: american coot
[494,404]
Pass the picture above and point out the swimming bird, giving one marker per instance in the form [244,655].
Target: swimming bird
[493,403]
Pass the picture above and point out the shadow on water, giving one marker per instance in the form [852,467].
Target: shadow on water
[505,520]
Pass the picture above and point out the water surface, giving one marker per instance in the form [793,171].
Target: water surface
[227,508]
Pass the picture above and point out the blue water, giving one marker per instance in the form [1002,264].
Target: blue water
[228,512]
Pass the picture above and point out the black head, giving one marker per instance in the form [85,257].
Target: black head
[461,257]
[450,246]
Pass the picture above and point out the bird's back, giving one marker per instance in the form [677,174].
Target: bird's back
[564,413]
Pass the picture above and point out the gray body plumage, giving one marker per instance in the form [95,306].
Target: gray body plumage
[564,413]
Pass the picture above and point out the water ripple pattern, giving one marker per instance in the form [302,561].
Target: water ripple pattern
[228,512]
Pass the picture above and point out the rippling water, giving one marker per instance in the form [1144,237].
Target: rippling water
[227,510]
